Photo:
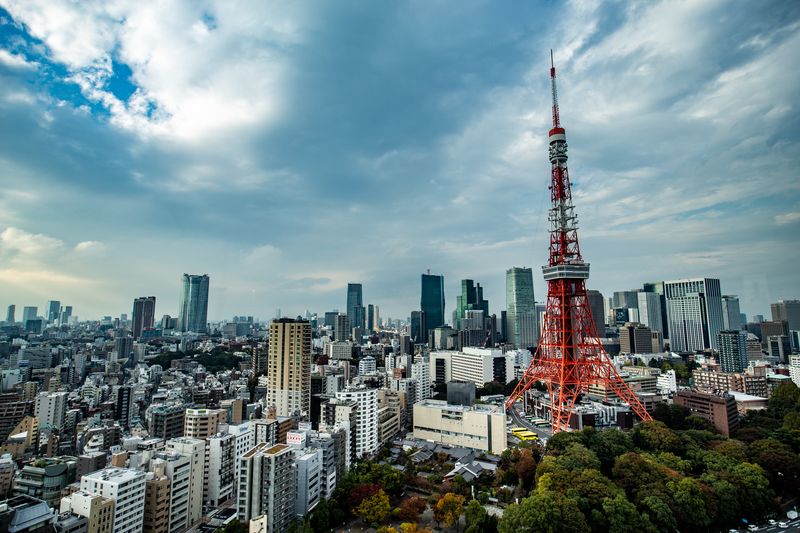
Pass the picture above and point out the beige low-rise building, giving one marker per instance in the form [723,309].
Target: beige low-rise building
[480,427]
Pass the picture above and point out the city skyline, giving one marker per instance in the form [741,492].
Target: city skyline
[114,185]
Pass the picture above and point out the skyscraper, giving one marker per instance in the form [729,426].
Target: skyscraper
[341,329]
[144,313]
[66,313]
[12,310]
[649,304]
[470,299]
[732,350]
[355,305]
[788,311]
[193,311]
[432,302]
[731,315]
[597,305]
[29,313]
[53,310]
[521,307]
[694,308]
[419,327]
[373,318]
[289,367]
[625,299]
[658,288]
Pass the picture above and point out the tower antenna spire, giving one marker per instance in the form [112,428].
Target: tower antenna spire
[556,119]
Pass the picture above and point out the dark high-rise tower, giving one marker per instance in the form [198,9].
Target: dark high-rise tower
[12,310]
[193,309]
[355,305]
[432,301]
[144,313]
[569,357]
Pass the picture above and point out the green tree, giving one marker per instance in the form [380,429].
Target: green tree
[658,513]
[623,516]
[688,496]
[474,513]
[781,465]
[608,445]
[373,510]
[545,512]
[656,436]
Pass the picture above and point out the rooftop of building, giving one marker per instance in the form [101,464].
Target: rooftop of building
[443,405]
[115,474]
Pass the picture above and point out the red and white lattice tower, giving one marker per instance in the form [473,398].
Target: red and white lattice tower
[569,357]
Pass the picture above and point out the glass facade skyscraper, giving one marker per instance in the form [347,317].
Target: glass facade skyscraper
[470,299]
[355,305]
[694,309]
[432,300]
[193,311]
[521,308]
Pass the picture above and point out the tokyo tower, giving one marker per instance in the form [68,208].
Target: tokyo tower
[569,357]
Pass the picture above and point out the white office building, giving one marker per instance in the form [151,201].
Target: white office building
[482,365]
[126,487]
[51,408]
[366,441]
[421,371]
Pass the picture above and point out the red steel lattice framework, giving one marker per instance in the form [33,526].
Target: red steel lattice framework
[569,356]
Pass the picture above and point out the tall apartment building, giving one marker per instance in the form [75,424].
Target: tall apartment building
[193,305]
[50,408]
[522,330]
[341,414]
[10,314]
[202,423]
[127,488]
[195,450]
[694,309]
[308,464]
[258,360]
[635,338]
[421,371]
[267,486]
[289,368]
[733,350]
[221,468]
[177,468]
[98,510]
[156,503]
[166,421]
[366,428]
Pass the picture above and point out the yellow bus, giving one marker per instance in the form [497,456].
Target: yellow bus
[527,435]
[514,431]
